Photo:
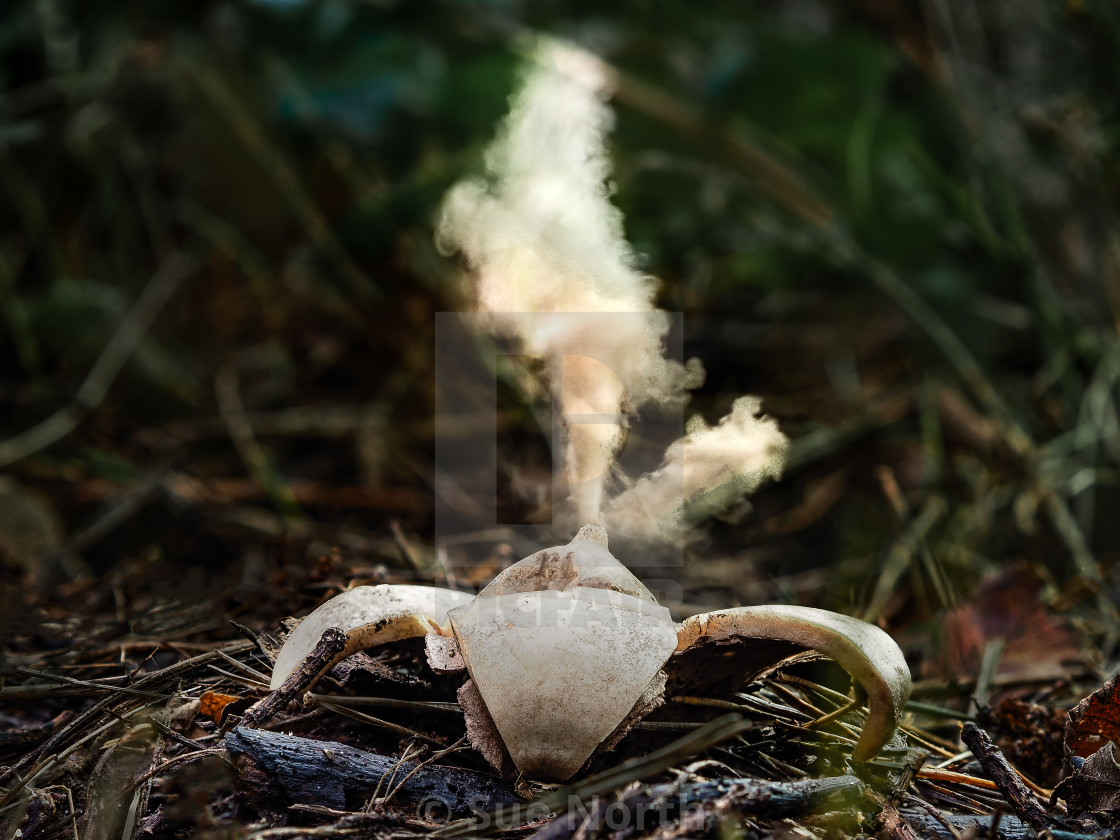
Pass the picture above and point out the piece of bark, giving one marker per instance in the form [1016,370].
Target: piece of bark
[658,804]
[444,656]
[1017,794]
[1009,828]
[774,800]
[330,645]
[327,774]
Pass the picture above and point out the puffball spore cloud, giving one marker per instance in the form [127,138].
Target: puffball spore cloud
[540,235]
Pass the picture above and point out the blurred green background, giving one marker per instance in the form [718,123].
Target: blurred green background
[895,222]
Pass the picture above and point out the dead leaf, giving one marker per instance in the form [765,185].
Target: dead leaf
[1038,645]
[1094,721]
[1095,785]
[212,705]
[1030,735]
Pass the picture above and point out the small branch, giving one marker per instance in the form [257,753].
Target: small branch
[1016,793]
[331,644]
[891,824]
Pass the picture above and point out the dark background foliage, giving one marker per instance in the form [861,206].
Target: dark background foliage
[895,222]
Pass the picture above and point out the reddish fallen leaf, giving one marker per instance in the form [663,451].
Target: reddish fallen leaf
[213,705]
[1094,721]
[1038,645]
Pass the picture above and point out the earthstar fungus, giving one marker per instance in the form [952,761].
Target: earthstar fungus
[567,649]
